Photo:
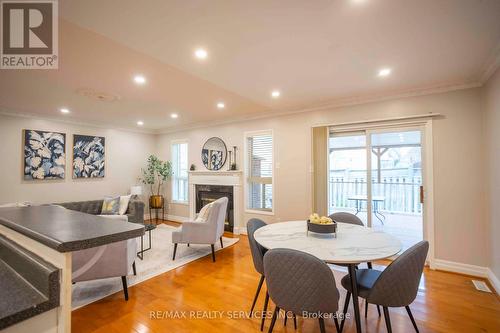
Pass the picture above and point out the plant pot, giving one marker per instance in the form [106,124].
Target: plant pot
[156,201]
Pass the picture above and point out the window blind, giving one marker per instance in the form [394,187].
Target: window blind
[260,171]
[180,172]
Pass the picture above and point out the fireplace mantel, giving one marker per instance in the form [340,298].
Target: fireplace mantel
[232,178]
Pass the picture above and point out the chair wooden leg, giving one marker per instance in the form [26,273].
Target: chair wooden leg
[213,252]
[387,319]
[257,294]
[134,269]
[378,310]
[273,320]
[221,244]
[412,319]
[175,250]
[346,306]
[125,287]
[366,308]
[264,311]
[286,318]
[322,325]
[294,321]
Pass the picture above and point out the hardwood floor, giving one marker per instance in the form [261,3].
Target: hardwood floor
[446,302]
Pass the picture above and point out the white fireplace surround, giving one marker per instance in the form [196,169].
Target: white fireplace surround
[222,178]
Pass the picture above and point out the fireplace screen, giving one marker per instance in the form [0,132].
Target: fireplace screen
[206,194]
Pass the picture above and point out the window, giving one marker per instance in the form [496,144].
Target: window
[259,171]
[180,170]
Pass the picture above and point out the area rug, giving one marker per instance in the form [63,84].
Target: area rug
[156,261]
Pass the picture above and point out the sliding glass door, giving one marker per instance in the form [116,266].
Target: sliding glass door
[377,175]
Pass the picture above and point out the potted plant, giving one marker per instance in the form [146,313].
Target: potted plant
[157,173]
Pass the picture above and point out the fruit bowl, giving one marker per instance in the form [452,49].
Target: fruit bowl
[330,228]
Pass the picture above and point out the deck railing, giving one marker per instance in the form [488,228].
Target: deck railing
[401,194]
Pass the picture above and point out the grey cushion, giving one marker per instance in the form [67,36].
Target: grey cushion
[300,282]
[110,205]
[366,279]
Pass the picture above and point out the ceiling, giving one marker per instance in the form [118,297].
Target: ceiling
[314,52]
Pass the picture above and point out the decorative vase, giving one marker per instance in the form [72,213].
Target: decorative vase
[156,201]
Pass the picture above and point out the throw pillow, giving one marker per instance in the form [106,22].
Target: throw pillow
[204,212]
[124,200]
[110,206]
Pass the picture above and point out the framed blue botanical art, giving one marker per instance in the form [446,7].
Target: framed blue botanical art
[88,156]
[44,155]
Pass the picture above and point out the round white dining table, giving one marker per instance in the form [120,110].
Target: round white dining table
[352,245]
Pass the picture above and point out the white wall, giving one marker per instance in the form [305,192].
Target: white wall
[126,153]
[461,225]
[492,121]
[459,189]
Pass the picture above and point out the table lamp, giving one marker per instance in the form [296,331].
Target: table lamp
[136,190]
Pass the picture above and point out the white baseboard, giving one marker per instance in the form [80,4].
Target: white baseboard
[239,231]
[495,282]
[457,267]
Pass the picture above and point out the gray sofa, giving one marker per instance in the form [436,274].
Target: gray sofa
[135,211]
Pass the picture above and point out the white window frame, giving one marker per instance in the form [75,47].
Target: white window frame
[246,175]
[172,143]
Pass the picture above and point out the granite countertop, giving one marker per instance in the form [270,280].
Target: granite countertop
[28,284]
[66,230]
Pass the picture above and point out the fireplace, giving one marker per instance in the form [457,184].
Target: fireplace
[206,194]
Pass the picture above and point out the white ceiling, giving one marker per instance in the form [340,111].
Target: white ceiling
[314,52]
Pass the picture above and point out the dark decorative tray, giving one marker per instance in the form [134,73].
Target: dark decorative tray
[322,228]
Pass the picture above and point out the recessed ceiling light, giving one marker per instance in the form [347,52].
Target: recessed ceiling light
[201,53]
[384,72]
[174,115]
[140,123]
[64,110]
[221,105]
[275,94]
[139,79]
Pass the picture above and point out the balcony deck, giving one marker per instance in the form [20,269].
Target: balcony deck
[406,227]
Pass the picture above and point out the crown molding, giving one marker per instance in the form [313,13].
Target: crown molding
[491,65]
[334,104]
[17,114]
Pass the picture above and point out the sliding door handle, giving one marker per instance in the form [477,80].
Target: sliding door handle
[421,194]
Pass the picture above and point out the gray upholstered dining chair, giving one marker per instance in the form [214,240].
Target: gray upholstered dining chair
[344,217]
[257,254]
[396,286]
[258,263]
[300,283]
[208,232]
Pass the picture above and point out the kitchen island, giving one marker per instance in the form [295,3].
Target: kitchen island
[36,245]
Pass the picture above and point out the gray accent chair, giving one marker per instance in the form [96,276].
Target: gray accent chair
[396,286]
[107,261]
[208,232]
[300,283]
[135,211]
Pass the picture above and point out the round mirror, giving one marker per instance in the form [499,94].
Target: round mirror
[214,153]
